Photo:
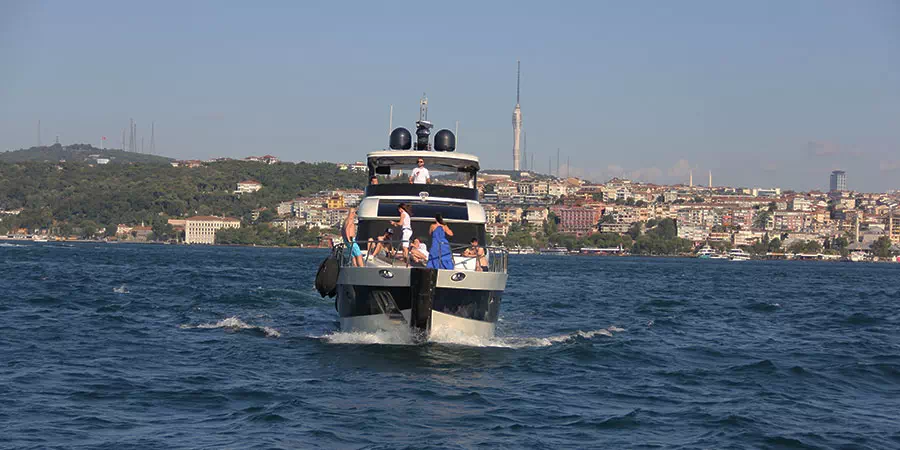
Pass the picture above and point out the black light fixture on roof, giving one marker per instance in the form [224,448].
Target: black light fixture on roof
[444,141]
[401,139]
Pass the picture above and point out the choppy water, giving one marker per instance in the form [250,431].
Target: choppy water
[129,346]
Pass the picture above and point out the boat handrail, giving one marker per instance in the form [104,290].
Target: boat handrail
[497,257]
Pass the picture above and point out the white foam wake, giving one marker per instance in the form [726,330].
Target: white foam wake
[395,337]
[455,337]
[234,324]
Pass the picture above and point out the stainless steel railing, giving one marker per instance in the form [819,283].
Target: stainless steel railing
[390,255]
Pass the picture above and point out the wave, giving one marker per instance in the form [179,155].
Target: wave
[7,244]
[455,337]
[121,290]
[234,324]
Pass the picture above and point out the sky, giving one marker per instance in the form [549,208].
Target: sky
[761,93]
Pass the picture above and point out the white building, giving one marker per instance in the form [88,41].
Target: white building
[248,186]
[202,229]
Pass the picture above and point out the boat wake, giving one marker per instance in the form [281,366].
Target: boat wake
[234,324]
[454,337]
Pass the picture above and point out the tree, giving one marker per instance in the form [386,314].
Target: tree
[551,225]
[634,231]
[162,231]
[840,243]
[761,220]
[882,247]
[774,245]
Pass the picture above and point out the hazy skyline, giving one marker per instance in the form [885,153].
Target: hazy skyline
[761,93]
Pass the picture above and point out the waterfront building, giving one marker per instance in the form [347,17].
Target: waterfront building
[497,229]
[510,215]
[316,217]
[837,181]
[122,229]
[766,192]
[801,204]
[202,229]
[535,215]
[248,186]
[577,220]
[285,209]
[334,202]
[695,234]
[791,220]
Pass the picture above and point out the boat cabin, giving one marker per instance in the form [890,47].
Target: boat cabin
[451,191]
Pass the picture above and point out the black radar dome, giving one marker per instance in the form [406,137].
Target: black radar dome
[444,141]
[401,139]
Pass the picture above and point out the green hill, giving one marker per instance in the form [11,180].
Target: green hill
[82,153]
[105,195]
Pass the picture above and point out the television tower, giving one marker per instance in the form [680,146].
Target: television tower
[517,119]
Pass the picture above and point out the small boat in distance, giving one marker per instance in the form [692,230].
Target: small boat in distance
[706,252]
[557,250]
[521,251]
[738,254]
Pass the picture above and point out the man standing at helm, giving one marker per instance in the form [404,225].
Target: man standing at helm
[420,174]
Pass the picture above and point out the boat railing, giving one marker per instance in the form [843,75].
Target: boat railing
[389,253]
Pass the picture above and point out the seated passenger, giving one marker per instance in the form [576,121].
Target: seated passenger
[474,251]
[418,252]
[382,245]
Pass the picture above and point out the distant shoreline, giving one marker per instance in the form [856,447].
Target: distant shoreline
[87,241]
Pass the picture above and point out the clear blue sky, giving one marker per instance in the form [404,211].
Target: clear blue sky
[761,93]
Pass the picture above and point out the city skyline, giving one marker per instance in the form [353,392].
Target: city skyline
[641,92]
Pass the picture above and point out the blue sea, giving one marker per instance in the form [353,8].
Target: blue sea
[107,346]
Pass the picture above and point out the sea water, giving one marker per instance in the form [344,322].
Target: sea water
[146,346]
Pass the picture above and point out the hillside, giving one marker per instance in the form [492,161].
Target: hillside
[105,195]
[84,153]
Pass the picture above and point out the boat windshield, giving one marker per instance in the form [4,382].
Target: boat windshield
[452,175]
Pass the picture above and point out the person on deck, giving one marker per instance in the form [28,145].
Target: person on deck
[405,228]
[474,251]
[383,244]
[418,252]
[348,233]
[441,255]
[420,174]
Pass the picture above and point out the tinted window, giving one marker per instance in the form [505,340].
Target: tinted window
[425,209]
[462,232]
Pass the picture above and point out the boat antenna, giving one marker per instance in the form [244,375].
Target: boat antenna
[423,108]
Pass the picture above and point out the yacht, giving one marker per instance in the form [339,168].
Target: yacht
[389,293]
[737,254]
[706,252]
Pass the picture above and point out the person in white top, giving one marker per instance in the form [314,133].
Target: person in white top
[405,228]
[420,174]
[419,252]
